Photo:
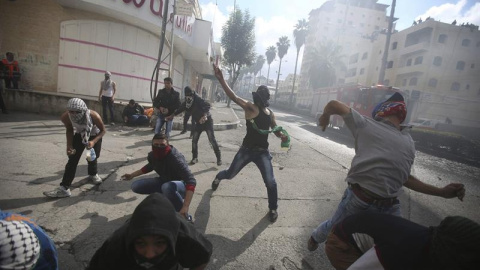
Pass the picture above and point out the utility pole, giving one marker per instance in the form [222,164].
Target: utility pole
[170,68]
[381,75]
[160,49]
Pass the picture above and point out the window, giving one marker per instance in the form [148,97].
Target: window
[390,64]
[442,38]
[418,60]
[467,87]
[380,52]
[413,81]
[455,86]
[362,70]
[466,42]
[472,66]
[394,45]
[437,61]
[353,58]
[432,82]
[409,62]
[460,65]
[364,56]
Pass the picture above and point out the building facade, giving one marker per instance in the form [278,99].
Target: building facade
[65,46]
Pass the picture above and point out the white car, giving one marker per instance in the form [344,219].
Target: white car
[425,123]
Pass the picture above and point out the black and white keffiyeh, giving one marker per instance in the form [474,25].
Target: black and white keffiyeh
[19,246]
[82,121]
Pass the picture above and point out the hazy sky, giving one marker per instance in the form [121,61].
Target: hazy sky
[276,18]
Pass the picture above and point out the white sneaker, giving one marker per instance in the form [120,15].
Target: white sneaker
[59,192]
[95,179]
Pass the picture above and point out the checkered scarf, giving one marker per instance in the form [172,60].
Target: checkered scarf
[19,246]
[82,119]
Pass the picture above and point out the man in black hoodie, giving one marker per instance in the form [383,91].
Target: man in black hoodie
[175,179]
[200,111]
[154,238]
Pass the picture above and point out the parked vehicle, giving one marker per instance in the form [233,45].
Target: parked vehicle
[425,123]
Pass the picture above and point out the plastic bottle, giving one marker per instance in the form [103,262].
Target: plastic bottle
[91,156]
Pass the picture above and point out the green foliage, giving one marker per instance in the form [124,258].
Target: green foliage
[299,33]
[271,53]
[325,60]
[238,42]
[283,44]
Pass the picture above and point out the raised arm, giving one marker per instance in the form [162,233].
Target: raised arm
[332,107]
[245,104]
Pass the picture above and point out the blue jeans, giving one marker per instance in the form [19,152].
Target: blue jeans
[137,119]
[263,160]
[173,190]
[159,124]
[349,205]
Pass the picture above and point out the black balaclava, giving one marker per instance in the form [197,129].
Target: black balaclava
[189,97]
[261,96]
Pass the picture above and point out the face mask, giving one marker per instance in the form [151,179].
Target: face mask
[188,101]
[161,151]
[257,99]
[149,263]
[77,117]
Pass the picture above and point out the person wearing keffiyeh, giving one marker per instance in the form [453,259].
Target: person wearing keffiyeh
[384,154]
[84,130]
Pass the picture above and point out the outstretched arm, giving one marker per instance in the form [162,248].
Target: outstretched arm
[332,107]
[245,104]
[449,191]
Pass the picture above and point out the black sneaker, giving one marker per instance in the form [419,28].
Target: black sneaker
[272,215]
[215,184]
[183,132]
[194,161]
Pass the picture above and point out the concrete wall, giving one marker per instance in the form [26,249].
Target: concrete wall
[54,103]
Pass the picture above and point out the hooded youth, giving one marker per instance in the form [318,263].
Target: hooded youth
[155,215]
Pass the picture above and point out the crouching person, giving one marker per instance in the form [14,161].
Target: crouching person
[155,237]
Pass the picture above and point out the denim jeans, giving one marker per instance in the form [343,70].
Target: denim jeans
[71,167]
[159,124]
[263,160]
[173,190]
[349,205]
[208,128]
[107,103]
[137,119]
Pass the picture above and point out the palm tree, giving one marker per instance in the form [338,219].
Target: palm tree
[325,59]
[299,33]
[271,54]
[258,66]
[283,44]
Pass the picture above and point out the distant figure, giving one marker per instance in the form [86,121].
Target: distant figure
[414,23]
[133,114]
[420,20]
[454,22]
[371,241]
[106,95]
[384,155]
[174,180]
[200,111]
[255,144]
[448,120]
[155,237]
[166,102]
[24,244]
[11,71]
[85,130]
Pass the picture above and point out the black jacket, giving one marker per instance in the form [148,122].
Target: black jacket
[199,108]
[155,215]
[171,100]
[129,111]
[173,167]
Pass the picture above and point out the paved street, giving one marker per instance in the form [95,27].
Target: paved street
[310,183]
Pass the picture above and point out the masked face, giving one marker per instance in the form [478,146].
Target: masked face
[76,116]
[188,101]
[260,100]
[160,148]
[150,250]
